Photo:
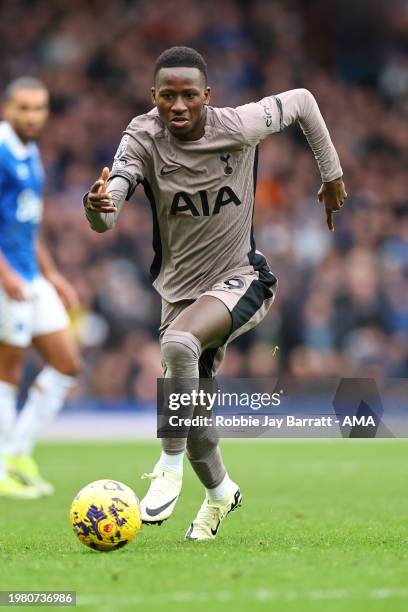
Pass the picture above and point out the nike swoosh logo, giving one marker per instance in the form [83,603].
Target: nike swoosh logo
[164,172]
[156,511]
[214,531]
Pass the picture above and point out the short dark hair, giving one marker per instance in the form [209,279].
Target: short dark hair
[24,82]
[185,57]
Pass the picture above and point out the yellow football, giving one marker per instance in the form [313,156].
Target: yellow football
[105,515]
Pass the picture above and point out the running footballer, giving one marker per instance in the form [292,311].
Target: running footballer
[197,165]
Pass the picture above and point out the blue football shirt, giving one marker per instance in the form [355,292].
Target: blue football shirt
[21,201]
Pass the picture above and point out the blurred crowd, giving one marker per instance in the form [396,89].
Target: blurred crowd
[342,303]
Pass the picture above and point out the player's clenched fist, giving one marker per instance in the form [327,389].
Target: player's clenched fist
[98,199]
[332,195]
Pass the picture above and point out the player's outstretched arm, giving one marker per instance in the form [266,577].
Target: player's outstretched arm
[275,113]
[104,201]
[332,193]
[300,105]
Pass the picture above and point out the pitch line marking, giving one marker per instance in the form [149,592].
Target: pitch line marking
[261,595]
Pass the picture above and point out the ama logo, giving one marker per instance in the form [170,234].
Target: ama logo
[361,421]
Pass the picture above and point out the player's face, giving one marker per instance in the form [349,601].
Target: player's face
[180,95]
[27,112]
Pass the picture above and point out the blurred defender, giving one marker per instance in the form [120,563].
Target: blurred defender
[198,168]
[32,293]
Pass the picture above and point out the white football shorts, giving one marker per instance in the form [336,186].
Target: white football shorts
[42,313]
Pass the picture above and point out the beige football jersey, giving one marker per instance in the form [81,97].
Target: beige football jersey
[202,192]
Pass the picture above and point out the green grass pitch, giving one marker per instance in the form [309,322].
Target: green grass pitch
[324,527]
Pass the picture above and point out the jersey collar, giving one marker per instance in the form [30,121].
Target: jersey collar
[9,137]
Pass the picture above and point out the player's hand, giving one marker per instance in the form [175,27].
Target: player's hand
[332,195]
[98,199]
[65,290]
[14,286]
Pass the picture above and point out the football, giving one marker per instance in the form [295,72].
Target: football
[105,515]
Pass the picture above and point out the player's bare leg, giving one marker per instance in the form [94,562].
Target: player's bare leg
[204,324]
[45,398]
[11,358]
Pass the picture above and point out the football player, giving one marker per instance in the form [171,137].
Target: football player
[33,295]
[197,165]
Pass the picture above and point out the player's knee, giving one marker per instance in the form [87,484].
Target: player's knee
[11,368]
[179,349]
[11,374]
[69,365]
[71,369]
